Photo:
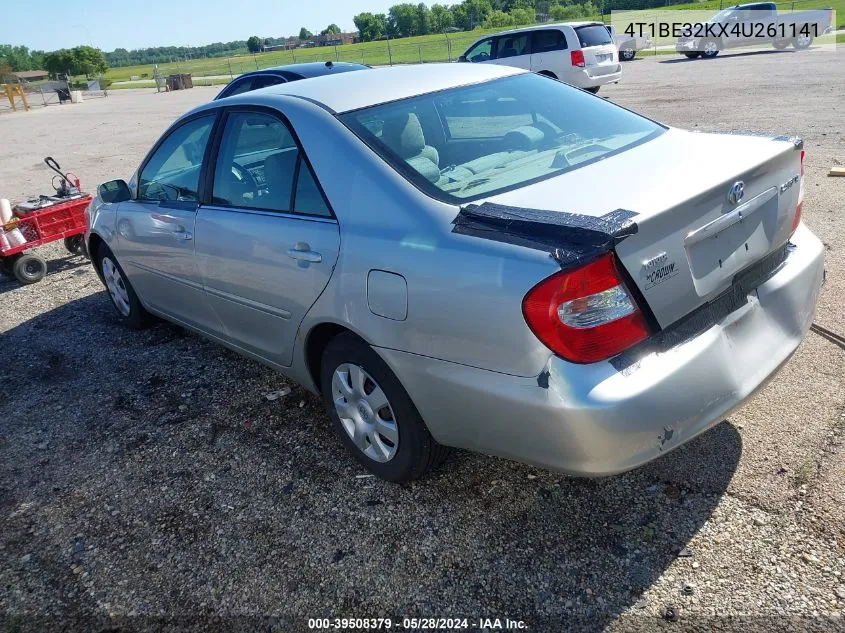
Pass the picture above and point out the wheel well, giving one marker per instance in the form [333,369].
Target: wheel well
[316,343]
[94,242]
[547,73]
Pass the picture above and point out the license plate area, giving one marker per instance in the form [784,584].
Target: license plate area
[603,57]
[726,245]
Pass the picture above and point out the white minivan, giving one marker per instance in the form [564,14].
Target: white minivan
[579,53]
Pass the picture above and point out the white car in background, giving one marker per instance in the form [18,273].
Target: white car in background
[628,45]
[579,53]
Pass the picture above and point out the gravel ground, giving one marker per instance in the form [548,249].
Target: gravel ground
[147,483]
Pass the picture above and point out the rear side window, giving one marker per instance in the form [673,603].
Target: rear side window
[592,35]
[239,86]
[547,41]
[266,80]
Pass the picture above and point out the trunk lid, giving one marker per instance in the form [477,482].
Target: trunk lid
[692,237]
[597,45]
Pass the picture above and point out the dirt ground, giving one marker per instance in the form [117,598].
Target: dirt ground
[146,482]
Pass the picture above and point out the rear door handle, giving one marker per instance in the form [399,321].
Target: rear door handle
[305,255]
[183,235]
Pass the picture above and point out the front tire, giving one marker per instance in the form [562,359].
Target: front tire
[121,292]
[693,55]
[594,89]
[372,413]
[627,54]
[709,49]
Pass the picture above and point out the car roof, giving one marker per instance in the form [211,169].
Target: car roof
[352,91]
[543,27]
[309,69]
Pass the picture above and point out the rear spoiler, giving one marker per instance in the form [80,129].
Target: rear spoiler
[796,141]
[572,239]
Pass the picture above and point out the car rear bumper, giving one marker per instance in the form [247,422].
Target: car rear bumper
[593,76]
[597,420]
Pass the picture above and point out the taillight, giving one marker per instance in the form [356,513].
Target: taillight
[578,58]
[585,315]
[796,220]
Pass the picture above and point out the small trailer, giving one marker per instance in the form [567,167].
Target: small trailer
[41,221]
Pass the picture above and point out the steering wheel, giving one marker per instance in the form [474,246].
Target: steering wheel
[245,178]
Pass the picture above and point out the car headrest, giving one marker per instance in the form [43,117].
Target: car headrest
[404,134]
[279,170]
[524,138]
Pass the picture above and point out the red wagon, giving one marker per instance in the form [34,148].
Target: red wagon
[41,221]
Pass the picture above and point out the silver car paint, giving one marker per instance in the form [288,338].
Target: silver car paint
[464,351]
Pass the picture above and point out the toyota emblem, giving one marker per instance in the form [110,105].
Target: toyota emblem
[736,192]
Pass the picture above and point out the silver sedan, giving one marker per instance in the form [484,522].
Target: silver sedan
[472,256]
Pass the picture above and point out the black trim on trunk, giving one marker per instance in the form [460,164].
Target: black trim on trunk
[572,239]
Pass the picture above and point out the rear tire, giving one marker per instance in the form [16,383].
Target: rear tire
[802,42]
[392,441]
[594,89]
[693,55]
[627,54]
[120,291]
[780,45]
[29,269]
[75,244]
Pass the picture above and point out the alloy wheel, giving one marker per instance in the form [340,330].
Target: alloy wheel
[116,287]
[365,412]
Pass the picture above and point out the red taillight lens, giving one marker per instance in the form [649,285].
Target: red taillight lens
[585,315]
[796,220]
[578,58]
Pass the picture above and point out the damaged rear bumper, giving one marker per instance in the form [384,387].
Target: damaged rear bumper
[601,419]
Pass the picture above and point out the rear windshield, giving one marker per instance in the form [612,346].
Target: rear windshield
[594,35]
[474,141]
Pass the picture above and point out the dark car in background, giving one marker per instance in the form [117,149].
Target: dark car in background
[283,74]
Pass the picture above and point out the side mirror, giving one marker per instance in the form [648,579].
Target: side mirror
[462,58]
[114,191]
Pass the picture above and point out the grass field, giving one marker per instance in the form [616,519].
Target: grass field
[426,48]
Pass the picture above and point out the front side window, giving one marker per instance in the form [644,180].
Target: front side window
[512,45]
[547,41]
[259,166]
[481,52]
[173,171]
[497,136]
[238,87]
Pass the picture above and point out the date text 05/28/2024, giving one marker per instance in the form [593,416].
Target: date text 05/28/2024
[417,624]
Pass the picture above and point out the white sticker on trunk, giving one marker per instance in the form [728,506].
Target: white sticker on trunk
[657,270]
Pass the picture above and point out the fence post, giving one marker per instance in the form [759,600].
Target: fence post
[336,54]
[231,75]
[419,50]
[362,56]
[389,53]
[41,90]
[449,47]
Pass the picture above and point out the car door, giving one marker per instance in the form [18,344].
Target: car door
[266,238]
[155,242]
[548,52]
[514,50]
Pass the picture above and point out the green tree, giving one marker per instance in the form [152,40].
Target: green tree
[304,33]
[331,29]
[60,62]
[441,18]
[370,27]
[253,44]
[88,61]
[403,19]
[498,20]
[522,15]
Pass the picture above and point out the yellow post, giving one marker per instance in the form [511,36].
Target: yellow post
[13,90]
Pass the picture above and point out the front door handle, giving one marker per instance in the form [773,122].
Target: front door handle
[305,255]
[183,235]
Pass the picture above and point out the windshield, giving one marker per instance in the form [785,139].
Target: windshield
[465,143]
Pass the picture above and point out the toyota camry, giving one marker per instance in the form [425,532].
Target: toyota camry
[474,256]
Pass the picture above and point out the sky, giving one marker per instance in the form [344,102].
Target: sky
[110,24]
